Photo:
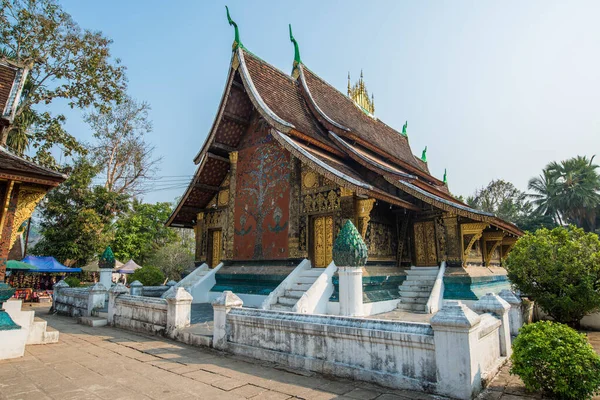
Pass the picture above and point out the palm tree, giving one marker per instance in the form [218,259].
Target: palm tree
[544,196]
[570,188]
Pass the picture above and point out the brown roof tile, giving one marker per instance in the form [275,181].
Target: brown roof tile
[15,165]
[342,110]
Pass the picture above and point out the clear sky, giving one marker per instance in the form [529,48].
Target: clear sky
[494,89]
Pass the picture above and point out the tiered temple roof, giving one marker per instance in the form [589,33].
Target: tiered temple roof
[323,128]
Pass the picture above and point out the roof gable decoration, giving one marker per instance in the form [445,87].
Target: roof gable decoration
[10,108]
[297,59]
[236,41]
[360,95]
[424,155]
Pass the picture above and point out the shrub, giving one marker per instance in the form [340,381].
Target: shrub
[560,270]
[73,281]
[148,276]
[557,360]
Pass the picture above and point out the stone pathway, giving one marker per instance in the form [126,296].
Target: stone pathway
[109,363]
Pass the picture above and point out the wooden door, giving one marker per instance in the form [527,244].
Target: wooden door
[214,248]
[322,241]
[425,248]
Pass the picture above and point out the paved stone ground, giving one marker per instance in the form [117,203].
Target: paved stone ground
[109,363]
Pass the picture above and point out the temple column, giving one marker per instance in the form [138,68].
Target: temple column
[294,222]
[347,205]
[230,228]
[9,207]
[199,230]
[363,215]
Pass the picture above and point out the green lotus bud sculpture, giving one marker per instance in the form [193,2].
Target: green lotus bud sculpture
[349,249]
[107,259]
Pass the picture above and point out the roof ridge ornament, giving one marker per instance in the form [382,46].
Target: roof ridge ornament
[360,95]
[236,41]
[404,128]
[445,177]
[297,59]
[424,155]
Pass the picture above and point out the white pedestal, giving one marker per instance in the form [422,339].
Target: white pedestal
[351,291]
[106,277]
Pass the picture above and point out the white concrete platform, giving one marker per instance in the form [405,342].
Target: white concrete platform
[93,321]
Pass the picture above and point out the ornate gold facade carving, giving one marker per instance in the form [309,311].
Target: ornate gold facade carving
[345,192]
[223,199]
[215,218]
[474,230]
[491,242]
[233,157]
[323,240]
[321,202]
[508,242]
[363,214]
[309,180]
[425,248]
[27,201]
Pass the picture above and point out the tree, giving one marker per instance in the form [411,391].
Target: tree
[147,276]
[123,153]
[66,63]
[544,196]
[560,270]
[577,190]
[501,198]
[172,260]
[141,230]
[77,218]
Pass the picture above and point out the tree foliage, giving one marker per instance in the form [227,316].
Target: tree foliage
[556,360]
[141,230]
[172,260]
[560,270]
[121,149]
[148,276]
[76,218]
[501,198]
[66,62]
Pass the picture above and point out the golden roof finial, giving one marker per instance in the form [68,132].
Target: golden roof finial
[359,94]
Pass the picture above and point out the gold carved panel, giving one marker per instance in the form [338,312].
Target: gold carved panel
[323,240]
[425,248]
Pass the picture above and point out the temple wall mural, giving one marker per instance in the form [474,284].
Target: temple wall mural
[262,199]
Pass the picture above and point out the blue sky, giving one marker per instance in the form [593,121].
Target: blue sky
[494,89]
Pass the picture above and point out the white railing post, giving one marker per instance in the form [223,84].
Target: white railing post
[113,293]
[494,304]
[96,298]
[515,315]
[351,291]
[221,306]
[179,310]
[436,297]
[136,288]
[455,336]
[58,286]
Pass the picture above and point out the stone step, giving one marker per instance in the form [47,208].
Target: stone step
[294,293]
[414,288]
[93,321]
[418,282]
[412,307]
[306,279]
[281,307]
[312,272]
[405,293]
[51,335]
[413,272]
[414,300]
[287,301]
[301,286]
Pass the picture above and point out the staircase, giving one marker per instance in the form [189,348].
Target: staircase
[415,290]
[298,288]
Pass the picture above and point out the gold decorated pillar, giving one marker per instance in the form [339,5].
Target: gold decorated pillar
[198,231]
[347,205]
[363,215]
[294,231]
[491,241]
[471,233]
[230,228]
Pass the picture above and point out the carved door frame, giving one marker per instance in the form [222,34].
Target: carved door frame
[311,238]
[212,246]
[425,244]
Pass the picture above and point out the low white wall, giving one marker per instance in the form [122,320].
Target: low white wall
[373,308]
[71,301]
[250,300]
[139,313]
[391,353]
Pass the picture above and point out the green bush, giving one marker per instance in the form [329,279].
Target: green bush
[73,281]
[557,360]
[560,270]
[148,276]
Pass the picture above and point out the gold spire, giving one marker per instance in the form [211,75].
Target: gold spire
[359,94]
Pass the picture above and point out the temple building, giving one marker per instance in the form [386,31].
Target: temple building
[23,184]
[290,158]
